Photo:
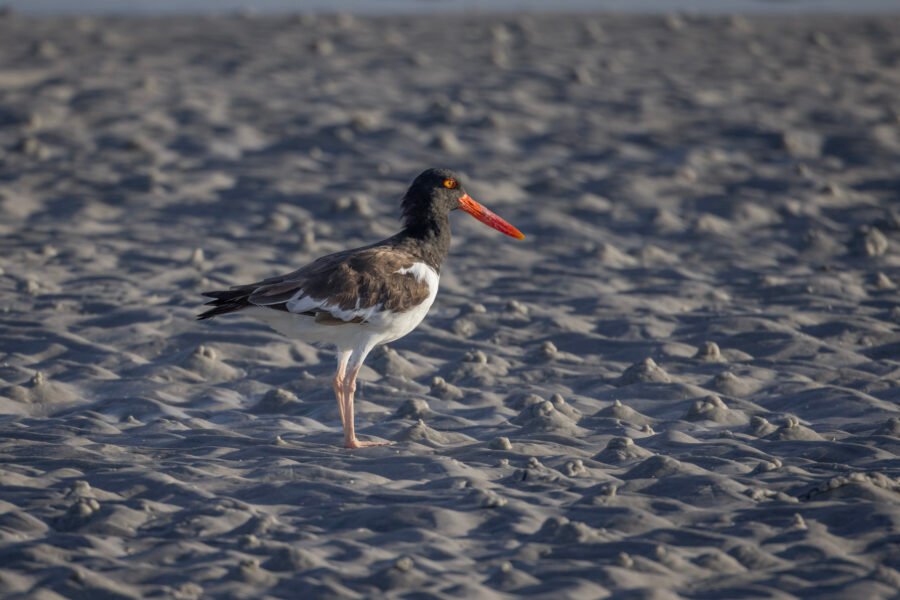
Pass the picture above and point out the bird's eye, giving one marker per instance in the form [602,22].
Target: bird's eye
[451,184]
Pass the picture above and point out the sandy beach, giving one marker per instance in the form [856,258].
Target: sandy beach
[684,383]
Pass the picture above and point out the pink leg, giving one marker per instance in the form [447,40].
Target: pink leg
[349,387]
[338,385]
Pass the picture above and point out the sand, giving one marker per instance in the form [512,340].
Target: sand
[683,384]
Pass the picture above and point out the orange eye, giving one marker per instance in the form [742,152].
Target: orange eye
[451,184]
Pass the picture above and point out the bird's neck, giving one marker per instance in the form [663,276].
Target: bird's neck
[428,238]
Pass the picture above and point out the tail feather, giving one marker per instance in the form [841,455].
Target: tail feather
[225,301]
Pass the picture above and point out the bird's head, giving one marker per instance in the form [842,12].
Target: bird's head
[437,192]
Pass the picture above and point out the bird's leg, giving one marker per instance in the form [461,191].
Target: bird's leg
[338,384]
[349,387]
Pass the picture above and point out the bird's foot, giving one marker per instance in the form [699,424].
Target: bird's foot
[355,443]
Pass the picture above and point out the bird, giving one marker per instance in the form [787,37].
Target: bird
[360,298]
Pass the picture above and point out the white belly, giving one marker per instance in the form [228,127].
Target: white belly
[382,327]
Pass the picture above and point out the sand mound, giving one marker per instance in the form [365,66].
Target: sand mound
[709,352]
[793,430]
[656,467]
[413,408]
[563,531]
[727,382]
[545,416]
[445,391]
[40,394]
[277,401]
[624,413]
[622,449]
[875,487]
[477,370]
[388,361]
[646,371]
[205,362]
[712,408]
[421,433]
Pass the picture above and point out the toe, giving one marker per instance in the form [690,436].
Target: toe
[355,443]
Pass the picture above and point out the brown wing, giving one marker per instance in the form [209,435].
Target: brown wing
[347,286]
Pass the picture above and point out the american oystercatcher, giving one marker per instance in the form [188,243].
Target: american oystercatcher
[357,299]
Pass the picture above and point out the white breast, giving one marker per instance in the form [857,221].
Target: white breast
[397,324]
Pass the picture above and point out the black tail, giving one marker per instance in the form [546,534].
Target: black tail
[226,301]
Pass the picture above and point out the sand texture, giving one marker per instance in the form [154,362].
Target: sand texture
[683,383]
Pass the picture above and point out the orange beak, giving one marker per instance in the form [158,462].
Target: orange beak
[488,218]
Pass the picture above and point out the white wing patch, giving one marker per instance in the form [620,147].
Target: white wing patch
[301,303]
[422,272]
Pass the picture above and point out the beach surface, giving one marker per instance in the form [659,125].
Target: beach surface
[683,383]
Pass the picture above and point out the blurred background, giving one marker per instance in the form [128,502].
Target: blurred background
[390,6]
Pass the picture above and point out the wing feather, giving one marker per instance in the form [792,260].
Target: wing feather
[347,287]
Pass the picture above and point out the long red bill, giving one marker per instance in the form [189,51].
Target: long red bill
[488,218]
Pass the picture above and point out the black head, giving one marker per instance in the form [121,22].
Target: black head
[436,192]
[431,197]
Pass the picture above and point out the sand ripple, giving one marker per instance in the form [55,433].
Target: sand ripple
[682,384]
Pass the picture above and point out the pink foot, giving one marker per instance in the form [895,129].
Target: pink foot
[355,443]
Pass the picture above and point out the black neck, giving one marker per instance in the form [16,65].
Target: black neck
[427,238]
